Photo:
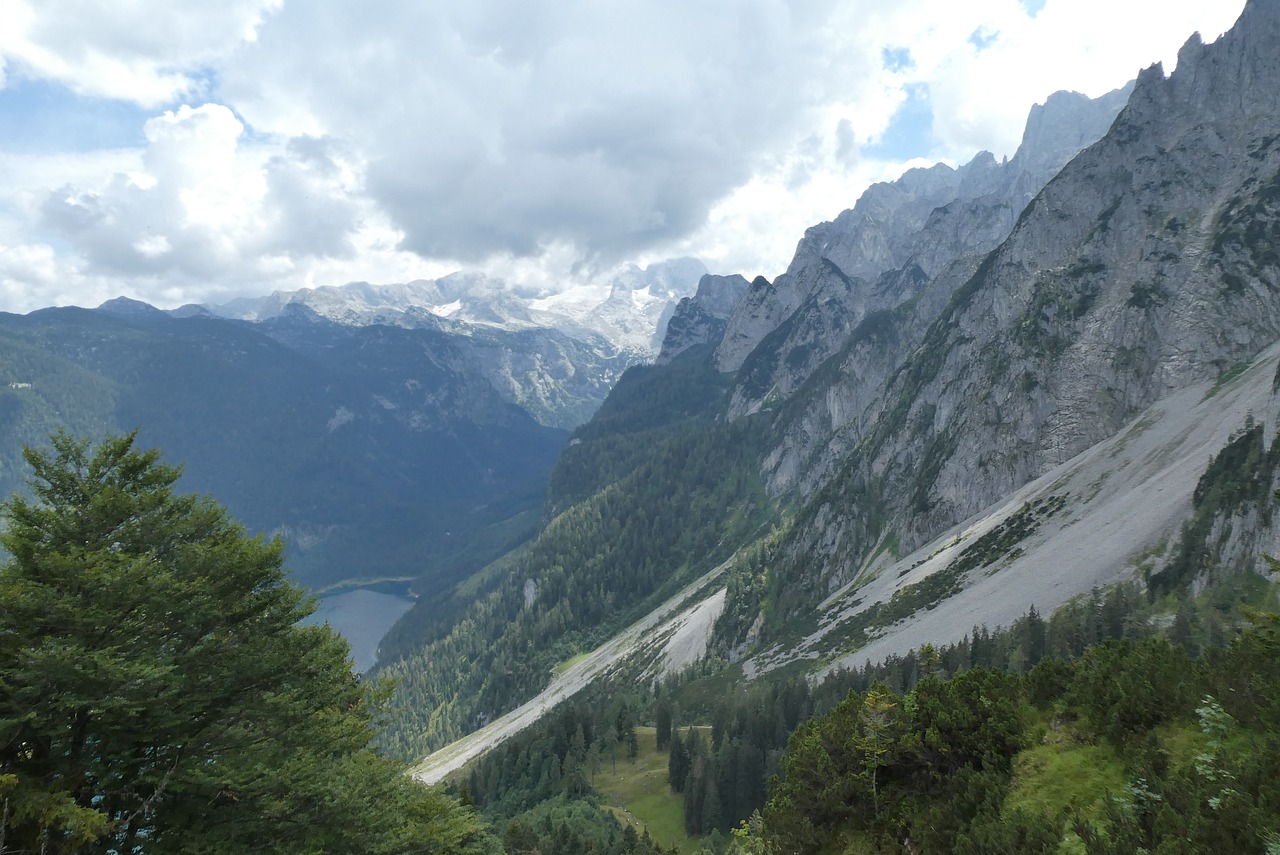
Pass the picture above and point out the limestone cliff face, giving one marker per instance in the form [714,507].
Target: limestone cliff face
[1149,263]
[702,318]
[899,237]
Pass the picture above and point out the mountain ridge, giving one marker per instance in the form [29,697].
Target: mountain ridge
[628,312]
[888,411]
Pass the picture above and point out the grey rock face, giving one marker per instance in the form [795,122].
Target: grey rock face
[702,318]
[896,239]
[1146,265]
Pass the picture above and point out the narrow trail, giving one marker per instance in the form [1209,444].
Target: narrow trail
[436,767]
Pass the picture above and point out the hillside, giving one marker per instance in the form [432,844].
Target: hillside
[931,436]
[375,452]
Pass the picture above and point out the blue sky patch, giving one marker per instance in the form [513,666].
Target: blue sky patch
[896,59]
[1033,7]
[910,131]
[982,38]
[37,117]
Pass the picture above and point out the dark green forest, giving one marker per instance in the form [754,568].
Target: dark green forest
[1139,717]
[1032,737]
[1104,728]
[600,562]
[1142,717]
[374,451]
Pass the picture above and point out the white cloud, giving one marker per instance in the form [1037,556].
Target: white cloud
[612,127]
[205,208]
[151,52]
[152,246]
[546,139]
[981,96]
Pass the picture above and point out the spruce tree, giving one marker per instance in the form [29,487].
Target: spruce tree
[157,693]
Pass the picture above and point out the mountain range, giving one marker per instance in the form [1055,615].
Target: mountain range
[979,390]
[399,432]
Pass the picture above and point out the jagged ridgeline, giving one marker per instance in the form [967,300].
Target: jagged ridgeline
[652,493]
[1147,265]
[668,479]
[978,389]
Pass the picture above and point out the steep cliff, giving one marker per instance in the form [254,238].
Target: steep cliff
[896,239]
[1146,265]
[702,318]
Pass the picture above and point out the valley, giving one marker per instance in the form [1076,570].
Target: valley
[1065,401]
[959,535]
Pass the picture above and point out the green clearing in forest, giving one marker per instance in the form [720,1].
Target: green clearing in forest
[639,794]
[1065,774]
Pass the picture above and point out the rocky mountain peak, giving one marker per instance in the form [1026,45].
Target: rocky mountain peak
[899,236]
[701,319]
[1229,80]
[719,295]
[1063,125]
[1145,266]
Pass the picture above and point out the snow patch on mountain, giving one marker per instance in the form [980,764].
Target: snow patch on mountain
[629,311]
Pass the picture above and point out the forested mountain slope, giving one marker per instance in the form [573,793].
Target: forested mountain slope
[374,451]
[651,494]
[874,417]
[661,485]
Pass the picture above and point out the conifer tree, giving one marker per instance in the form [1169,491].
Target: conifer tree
[157,693]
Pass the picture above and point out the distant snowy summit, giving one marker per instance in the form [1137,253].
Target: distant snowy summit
[629,311]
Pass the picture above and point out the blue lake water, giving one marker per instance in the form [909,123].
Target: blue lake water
[362,616]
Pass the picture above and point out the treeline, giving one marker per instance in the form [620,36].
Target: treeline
[536,788]
[724,777]
[1237,483]
[565,826]
[1103,668]
[722,770]
[558,756]
[933,769]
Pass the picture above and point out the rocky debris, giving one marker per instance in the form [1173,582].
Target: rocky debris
[1097,516]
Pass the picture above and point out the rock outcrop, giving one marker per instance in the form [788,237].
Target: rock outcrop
[702,318]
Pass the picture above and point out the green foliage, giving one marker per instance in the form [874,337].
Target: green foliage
[645,407]
[957,772]
[1002,540]
[597,566]
[158,694]
[1123,690]
[564,826]
[546,785]
[873,758]
[1237,479]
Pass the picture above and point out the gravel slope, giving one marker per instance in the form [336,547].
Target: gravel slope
[669,624]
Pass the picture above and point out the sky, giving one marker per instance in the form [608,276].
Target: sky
[179,151]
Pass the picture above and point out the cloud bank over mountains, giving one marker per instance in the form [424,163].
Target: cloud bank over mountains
[285,144]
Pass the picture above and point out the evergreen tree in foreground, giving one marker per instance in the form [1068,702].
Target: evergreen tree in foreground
[157,693]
